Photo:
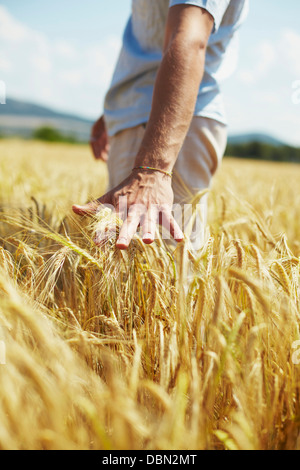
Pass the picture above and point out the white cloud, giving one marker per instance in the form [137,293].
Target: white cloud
[264,94]
[41,64]
[266,56]
[5,64]
[282,55]
[290,51]
[72,77]
[65,50]
[10,28]
[99,63]
[55,72]
[269,97]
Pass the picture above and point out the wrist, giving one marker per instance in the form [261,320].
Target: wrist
[152,176]
[159,159]
[153,170]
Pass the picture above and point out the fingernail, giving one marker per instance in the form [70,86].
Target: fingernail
[76,208]
[148,238]
[122,241]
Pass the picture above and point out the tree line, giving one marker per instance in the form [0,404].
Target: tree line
[251,150]
[264,151]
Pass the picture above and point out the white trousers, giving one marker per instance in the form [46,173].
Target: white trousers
[197,162]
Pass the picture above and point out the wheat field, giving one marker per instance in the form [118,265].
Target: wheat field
[113,350]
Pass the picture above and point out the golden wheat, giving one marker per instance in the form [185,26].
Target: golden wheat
[150,348]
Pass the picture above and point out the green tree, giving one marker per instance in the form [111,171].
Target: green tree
[263,151]
[50,134]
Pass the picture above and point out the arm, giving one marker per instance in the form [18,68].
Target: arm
[175,93]
[177,86]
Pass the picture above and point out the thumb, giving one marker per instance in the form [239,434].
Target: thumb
[88,209]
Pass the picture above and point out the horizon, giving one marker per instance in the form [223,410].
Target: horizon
[254,133]
[67,65]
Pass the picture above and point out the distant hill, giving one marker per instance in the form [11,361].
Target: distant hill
[254,137]
[20,118]
[22,108]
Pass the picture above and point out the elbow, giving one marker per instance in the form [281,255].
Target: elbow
[188,40]
[196,42]
[188,44]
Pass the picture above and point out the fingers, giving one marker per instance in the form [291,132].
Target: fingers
[129,228]
[149,223]
[172,226]
[89,209]
[147,218]
[100,149]
[138,215]
[99,140]
[104,155]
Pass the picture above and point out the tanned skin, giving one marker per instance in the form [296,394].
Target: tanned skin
[149,193]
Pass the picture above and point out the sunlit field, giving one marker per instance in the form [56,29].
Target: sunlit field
[103,349]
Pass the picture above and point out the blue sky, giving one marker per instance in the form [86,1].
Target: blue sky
[62,54]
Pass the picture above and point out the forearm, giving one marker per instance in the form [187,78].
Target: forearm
[173,105]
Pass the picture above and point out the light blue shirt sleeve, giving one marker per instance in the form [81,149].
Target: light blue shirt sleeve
[216,8]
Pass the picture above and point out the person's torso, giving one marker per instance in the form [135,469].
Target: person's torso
[132,85]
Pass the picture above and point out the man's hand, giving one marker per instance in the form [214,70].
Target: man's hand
[99,140]
[143,199]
